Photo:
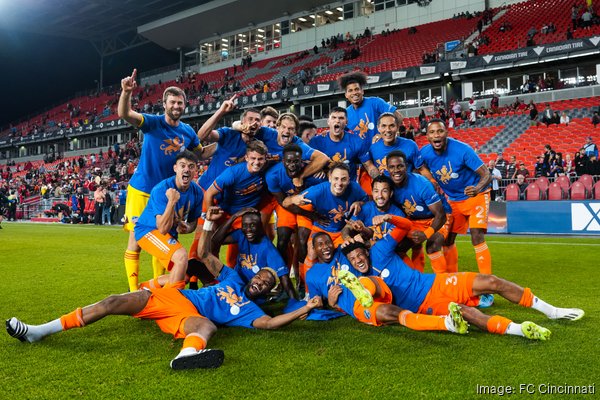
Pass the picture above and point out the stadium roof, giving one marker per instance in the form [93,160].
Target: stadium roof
[168,23]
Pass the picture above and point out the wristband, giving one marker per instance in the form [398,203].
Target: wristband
[208,225]
[429,232]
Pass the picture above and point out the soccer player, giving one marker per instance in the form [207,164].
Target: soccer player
[432,293]
[307,130]
[281,182]
[466,180]
[339,145]
[268,117]
[256,251]
[165,136]
[186,314]
[423,206]
[334,279]
[173,208]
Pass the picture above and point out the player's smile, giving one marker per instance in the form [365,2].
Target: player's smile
[260,284]
[324,248]
[397,169]
[437,136]
[381,195]
[359,260]
[287,131]
[354,93]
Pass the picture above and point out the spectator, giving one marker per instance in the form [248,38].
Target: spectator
[590,148]
[564,119]
[496,179]
[569,166]
[494,103]
[522,184]
[501,164]
[511,168]
[98,204]
[593,166]
[555,118]
[523,170]
[533,113]
[595,119]
[547,115]
[581,160]
[540,167]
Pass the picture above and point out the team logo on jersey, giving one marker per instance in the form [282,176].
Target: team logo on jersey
[363,127]
[338,215]
[232,299]
[248,261]
[367,314]
[255,187]
[381,165]
[379,231]
[172,241]
[171,146]
[231,161]
[409,206]
[444,174]
[337,157]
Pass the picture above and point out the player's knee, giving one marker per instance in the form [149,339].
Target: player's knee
[180,258]
[492,283]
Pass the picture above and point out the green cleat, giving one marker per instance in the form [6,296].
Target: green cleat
[455,321]
[351,282]
[534,331]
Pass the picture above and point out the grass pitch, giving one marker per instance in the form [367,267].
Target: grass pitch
[49,270]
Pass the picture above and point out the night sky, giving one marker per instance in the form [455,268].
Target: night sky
[38,72]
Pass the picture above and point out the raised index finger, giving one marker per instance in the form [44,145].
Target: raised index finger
[232,99]
[134,74]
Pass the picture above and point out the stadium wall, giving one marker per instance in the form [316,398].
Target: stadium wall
[553,217]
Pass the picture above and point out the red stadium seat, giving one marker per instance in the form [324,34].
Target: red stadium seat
[579,191]
[588,181]
[534,192]
[556,192]
[512,192]
[564,182]
[543,183]
[597,191]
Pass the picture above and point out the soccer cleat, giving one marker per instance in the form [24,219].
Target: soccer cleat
[17,329]
[351,282]
[572,314]
[455,321]
[485,301]
[206,358]
[535,332]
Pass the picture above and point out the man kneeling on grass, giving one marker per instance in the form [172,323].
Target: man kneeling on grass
[186,314]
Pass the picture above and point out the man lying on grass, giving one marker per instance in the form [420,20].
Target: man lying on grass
[186,314]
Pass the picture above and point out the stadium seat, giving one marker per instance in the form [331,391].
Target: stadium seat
[588,181]
[512,192]
[556,192]
[534,192]
[578,191]
[543,183]
[564,182]
[597,191]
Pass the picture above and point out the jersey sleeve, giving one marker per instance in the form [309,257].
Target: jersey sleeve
[471,159]
[383,106]
[428,193]
[149,123]
[194,141]
[272,179]
[224,180]
[307,151]
[416,158]
[158,198]
[359,193]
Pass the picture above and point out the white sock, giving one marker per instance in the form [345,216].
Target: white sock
[186,351]
[38,332]
[543,307]
[514,329]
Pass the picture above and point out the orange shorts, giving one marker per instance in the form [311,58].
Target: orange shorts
[335,236]
[472,213]
[169,309]
[455,287]
[287,219]
[160,246]
[422,224]
[369,315]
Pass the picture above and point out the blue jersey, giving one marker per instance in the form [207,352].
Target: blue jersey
[363,120]
[378,151]
[188,207]
[239,188]
[254,256]
[320,277]
[415,196]
[454,169]
[369,210]
[162,144]
[334,207]
[278,181]
[409,287]
[226,302]
[269,138]
[348,150]
[230,148]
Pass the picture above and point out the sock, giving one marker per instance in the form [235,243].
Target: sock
[451,255]
[151,284]
[132,268]
[418,260]
[422,322]
[157,268]
[484,258]
[527,298]
[193,253]
[74,319]
[514,329]
[368,284]
[38,332]
[498,325]
[438,262]
[543,307]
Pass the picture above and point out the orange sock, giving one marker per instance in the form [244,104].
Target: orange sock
[451,255]
[368,284]
[438,262]
[527,298]
[193,253]
[74,319]
[232,254]
[497,324]
[422,322]
[194,340]
[484,258]
[151,284]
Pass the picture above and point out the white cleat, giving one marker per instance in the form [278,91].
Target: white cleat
[572,314]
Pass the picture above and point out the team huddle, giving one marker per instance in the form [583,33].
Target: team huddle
[351,208]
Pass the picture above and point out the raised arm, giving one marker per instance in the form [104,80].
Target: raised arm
[484,180]
[371,168]
[318,160]
[124,109]
[207,131]
[266,322]
[403,225]
[213,264]
[164,221]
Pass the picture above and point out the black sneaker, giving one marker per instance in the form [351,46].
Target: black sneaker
[207,358]
[16,329]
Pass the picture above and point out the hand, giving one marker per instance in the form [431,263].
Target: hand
[298,182]
[380,219]
[244,211]
[172,195]
[129,83]
[315,302]
[229,105]
[355,208]
[333,294]
[356,225]
[320,175]
[417,237]
[471,191]
[299,199]
[321,220]
[183,227]
[213,213]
